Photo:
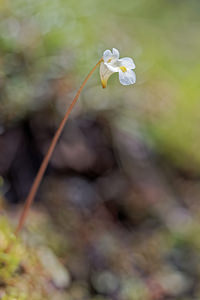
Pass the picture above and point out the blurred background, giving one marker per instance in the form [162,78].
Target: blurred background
[119,206]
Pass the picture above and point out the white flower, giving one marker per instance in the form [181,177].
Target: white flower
[112,63]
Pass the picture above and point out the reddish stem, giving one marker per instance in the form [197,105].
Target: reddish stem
[47,157]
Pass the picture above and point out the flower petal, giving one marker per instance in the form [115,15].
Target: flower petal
[127,77]
[107,55]
[112,66]
[127,62]
[104,74]
[115,53]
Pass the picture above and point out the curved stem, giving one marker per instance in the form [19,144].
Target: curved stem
[47,157]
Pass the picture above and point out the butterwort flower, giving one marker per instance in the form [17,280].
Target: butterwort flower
[111,63]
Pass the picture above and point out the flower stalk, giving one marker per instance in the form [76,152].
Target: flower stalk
[42,169]
[110,63]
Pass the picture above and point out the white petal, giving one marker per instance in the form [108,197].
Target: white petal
[104,74]
[127,77]
[112,66]
[115,53]
[107,55]
[127,62]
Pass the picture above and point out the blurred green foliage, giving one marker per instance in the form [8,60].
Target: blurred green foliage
[42,42]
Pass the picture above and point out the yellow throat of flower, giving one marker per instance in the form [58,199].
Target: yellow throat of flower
[124,69]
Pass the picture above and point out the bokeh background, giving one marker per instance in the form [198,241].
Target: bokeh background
[118,209]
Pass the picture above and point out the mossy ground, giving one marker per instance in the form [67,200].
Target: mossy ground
[22,275]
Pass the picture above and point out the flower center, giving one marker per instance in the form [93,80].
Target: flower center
[124,69]
[110,59]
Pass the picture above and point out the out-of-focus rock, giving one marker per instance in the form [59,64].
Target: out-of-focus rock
[59,275]
[173,282]
[84,146]
[105,282]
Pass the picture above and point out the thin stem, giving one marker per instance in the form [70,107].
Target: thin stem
[47,157]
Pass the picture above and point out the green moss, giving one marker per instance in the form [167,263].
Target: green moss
[10,251]
[14,295]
